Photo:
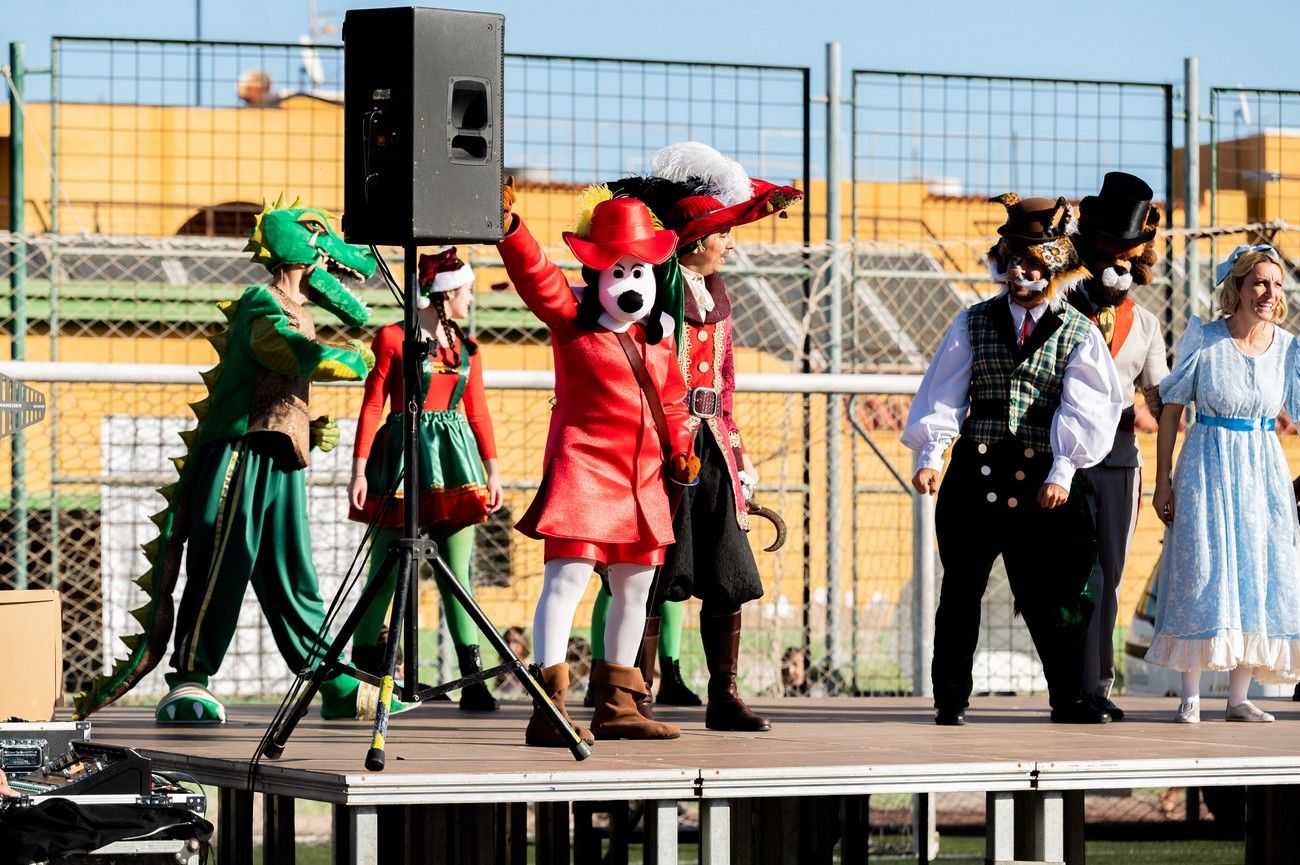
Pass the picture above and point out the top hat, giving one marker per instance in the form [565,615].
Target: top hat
[619,227]
[1033,220]
[1119,212]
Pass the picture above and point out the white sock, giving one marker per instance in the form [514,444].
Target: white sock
[1191,687]
[630,586]
[1239,685]
[562,589]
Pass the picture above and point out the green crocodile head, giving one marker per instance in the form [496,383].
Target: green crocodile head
[292,234]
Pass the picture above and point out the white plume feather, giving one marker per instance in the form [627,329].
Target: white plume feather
[694,160]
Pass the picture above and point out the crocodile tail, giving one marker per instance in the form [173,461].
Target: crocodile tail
[164,553]
[156,616]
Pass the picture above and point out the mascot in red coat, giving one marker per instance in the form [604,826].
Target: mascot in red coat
[619,430]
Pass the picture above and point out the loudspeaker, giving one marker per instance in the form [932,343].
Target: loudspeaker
[422,126]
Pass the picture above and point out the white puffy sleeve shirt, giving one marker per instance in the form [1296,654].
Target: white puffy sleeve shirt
[1083,428]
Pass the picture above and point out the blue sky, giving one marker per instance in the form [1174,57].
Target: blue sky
[1107,40]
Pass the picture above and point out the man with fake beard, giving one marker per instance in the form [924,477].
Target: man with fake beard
[1043,399]
[1116,240]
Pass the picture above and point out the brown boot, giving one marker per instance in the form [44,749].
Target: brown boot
[616,715]
[645,703]
[554,681]
[726,711]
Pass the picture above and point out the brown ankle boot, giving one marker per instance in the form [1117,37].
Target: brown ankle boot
[726,711]
[616,715]
[645,703]
[554,681]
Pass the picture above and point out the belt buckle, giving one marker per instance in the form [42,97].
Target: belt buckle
[703,401]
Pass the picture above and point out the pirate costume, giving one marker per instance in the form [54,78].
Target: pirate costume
[1031,395]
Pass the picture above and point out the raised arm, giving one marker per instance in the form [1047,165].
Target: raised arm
[541,284]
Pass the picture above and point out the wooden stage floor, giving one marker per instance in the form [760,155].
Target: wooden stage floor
[438,755]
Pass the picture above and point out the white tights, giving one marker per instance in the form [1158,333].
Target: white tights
[1238,685]
[562,590]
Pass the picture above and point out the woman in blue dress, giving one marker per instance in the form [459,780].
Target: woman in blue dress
[1228,596]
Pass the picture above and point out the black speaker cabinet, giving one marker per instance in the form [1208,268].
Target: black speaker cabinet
[422,126]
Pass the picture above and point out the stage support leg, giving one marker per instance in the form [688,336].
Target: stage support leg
[512,833]
[1040,826]
[715,832]
[743,847]
[234,827]
[923,828]
[552,833]
[1075,853]
[356,835]
[855,832]
[277,829]
[661,832]
[999,826]
[1271,834]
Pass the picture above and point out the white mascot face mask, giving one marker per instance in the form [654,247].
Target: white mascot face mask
[627,290]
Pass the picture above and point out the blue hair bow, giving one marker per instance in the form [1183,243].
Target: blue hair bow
[1225,267]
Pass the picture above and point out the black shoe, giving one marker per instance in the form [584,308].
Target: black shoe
[950,717]
[673,690]
[1082,712]
[1115,712]
[475,697]
[1295,695]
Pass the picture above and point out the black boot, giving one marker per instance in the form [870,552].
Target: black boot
[726,711]
[673,690]
[645,703]
[475,697]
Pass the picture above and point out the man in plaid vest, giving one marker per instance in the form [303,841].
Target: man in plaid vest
[1028,383]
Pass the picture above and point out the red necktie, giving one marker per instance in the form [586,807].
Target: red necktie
[1025,327]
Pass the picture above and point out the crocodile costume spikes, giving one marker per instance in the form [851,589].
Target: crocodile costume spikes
[258,339]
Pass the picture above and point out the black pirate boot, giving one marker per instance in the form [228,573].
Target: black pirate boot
[726,711]
[645,703]
[475,697]
[673,690]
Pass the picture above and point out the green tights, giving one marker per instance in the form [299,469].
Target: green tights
[455,550]
[670,627]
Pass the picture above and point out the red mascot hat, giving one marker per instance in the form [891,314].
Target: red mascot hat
[619,227]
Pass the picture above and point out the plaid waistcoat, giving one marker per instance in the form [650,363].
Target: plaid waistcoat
[1016,390]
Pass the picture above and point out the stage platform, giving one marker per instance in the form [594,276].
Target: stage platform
[454,781]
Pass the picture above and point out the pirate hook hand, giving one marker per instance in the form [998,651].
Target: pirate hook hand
[684,469]
[324,434]
[926,482]
[748,483]
[367,356]
[1052,496]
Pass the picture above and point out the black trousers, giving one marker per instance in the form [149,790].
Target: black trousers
[988,506]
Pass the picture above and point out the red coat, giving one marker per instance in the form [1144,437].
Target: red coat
[707,362]
[603,476]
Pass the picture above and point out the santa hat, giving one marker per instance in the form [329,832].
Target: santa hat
[727,196]
[442,272]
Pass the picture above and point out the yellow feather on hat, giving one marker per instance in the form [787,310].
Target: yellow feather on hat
[587,201]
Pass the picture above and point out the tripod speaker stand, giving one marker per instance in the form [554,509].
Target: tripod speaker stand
[404,555]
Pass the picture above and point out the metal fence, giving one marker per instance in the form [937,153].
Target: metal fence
[145,157]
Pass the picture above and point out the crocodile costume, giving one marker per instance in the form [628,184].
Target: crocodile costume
[239,508]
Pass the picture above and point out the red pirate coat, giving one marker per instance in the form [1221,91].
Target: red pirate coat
[709,369]
[603,477]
